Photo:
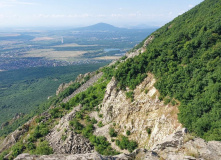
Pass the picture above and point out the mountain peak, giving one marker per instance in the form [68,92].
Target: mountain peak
[100,27]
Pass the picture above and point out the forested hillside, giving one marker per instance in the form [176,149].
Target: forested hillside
[24,91]
[185,58]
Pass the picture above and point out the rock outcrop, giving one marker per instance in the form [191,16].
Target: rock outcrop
[147,118]
[86,85]
[182,146]
[140,50]
[12,138]
[16,117]
[62,87]
[177,146]
[79,79]
[64,141]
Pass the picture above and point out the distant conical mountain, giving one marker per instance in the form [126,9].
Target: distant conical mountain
[99,27]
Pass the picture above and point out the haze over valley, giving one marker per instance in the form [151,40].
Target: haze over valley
[93,44]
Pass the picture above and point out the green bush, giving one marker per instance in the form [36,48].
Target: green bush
[167,101]
[86,78]
[127,132]
[173,102]
[30,146]
[40,131]
[88,130]
[79,115]
[112,132]
[93,121]
[132,146]
[100,124]
[56,112]
[148,130]
[124,143]
[117,142]
[87,117]
[17,149]
[39,119]
[90,99]
[130,95]
[65,105]
[3,154]
[76,124]
[43,148]
[63,137]
[102,146]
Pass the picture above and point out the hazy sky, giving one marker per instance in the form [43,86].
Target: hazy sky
[86,12]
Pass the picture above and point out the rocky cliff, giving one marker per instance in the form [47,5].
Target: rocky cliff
[145,112]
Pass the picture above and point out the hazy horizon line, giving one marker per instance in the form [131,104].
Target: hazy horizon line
[138,26]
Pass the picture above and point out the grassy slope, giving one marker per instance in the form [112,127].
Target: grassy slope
[185,58]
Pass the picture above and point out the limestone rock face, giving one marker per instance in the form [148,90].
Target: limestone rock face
[179,146]
[200,148]
[140,50]
[146,112]
[65,141]
[62,87]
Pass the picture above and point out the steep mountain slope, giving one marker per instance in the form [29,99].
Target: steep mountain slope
[185,58]
[134,102]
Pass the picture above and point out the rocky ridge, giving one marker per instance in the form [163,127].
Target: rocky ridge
[64,141]
[79,79]
[177,146]
[86,85]
[12,138]
[140,50]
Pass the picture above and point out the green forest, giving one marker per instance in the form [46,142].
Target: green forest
[25,90]
[185,59]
